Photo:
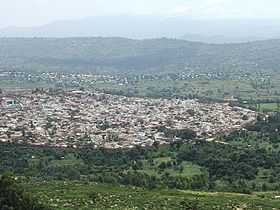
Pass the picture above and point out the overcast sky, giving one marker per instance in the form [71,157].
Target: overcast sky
[38,12]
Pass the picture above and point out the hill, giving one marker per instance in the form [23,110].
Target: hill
[148,26]
[83,195]
[223,174]
[141,56]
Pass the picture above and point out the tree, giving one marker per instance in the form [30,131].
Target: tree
[162,166]
[190,205]
[12,197]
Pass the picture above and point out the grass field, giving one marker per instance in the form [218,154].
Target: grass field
[214,89]
[269,106]
[14,84]
[254,87]
[188,169]
[89,196]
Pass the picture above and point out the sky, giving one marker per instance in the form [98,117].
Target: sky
[39,12]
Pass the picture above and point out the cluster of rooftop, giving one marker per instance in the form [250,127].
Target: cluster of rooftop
[77,118]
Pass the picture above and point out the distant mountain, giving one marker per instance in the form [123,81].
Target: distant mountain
[147,27]
[220,39]
[138,56]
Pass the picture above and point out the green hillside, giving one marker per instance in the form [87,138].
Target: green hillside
[126,55]
[88,196]
[236,171]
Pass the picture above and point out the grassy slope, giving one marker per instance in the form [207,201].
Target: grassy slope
[79,195]
[269,106]
[189,169]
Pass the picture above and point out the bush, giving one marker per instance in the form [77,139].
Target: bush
[12,197]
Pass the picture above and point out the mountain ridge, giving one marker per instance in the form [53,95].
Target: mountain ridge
[148,27]
[97,54]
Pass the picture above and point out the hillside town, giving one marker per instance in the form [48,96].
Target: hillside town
[78,118]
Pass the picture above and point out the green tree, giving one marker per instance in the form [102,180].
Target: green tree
[12,197]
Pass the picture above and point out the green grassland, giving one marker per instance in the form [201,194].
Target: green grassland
[269,106]
[22,84]
[153,168]
[66,195]
[197,88]
[254,87]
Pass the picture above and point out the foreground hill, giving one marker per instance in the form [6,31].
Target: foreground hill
[12,196]
[183,175]
[126,55]
[82,195]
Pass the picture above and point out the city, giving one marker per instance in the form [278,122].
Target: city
[76,118]
[140,105]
